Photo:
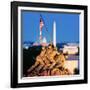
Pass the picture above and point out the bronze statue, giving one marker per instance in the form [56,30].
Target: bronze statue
[48,63]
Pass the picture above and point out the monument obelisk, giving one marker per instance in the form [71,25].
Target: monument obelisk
[54,33]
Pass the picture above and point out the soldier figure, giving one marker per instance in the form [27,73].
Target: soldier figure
[60,60]
[39,62]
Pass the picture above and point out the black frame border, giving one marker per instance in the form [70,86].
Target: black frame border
[14,44]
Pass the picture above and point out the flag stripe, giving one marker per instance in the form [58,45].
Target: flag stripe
[41,23]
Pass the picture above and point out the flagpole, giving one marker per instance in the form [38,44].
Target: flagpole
[40,36]
[41,26]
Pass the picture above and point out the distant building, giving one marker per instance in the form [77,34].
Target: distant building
[44,42]
[70,49]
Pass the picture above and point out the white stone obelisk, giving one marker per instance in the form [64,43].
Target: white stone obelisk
[54,33]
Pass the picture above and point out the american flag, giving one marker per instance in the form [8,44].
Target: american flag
[41,23]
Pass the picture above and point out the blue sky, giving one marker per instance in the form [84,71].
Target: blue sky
[67,26]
